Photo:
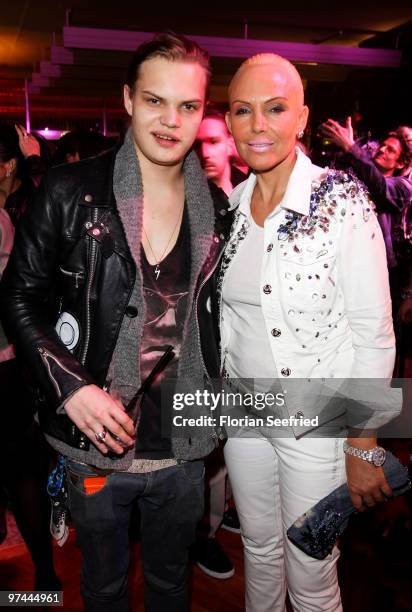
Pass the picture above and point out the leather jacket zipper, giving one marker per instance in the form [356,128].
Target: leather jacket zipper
[75,275]
[90,276]
[202,284]
[45,354]
[217,434]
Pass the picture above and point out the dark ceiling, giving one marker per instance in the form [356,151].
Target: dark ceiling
[28,28]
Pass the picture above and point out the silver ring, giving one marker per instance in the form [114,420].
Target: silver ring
[101,435]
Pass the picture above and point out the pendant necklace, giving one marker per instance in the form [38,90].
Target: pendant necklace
[158,261]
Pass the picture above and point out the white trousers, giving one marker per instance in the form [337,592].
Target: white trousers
[274,481]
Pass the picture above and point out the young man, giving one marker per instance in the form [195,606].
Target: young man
[215,146]
[127,241]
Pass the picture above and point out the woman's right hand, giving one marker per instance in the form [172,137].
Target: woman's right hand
[367,484]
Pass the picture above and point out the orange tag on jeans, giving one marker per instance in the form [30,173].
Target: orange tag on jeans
[94,484]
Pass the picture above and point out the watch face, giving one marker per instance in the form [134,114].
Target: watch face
[379,456]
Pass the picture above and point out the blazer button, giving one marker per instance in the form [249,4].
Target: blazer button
[285,371]
[276,332]
[131,312]
[88,197]
[267,289]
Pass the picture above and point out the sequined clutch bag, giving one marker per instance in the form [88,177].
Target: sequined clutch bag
[316,531]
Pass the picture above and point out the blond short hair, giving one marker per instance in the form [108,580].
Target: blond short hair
[266,59]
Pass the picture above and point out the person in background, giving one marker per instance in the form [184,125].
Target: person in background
[24,454]
[406,132]
[78,144]
[387,176]
[237,161]
[304,294]
[391,192]
[23,169]
[214,146]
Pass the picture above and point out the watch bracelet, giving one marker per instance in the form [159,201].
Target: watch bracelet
[357,452]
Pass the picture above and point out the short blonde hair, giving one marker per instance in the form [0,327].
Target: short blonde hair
[266,59]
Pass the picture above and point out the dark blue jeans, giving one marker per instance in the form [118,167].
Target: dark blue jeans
[171,504]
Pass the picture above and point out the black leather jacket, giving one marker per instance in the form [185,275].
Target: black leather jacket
[64,261]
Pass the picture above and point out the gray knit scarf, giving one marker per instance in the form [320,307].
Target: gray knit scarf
[128,191]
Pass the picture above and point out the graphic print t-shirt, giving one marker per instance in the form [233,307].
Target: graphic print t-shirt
[166,305]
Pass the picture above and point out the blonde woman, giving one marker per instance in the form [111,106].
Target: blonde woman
[304,294]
